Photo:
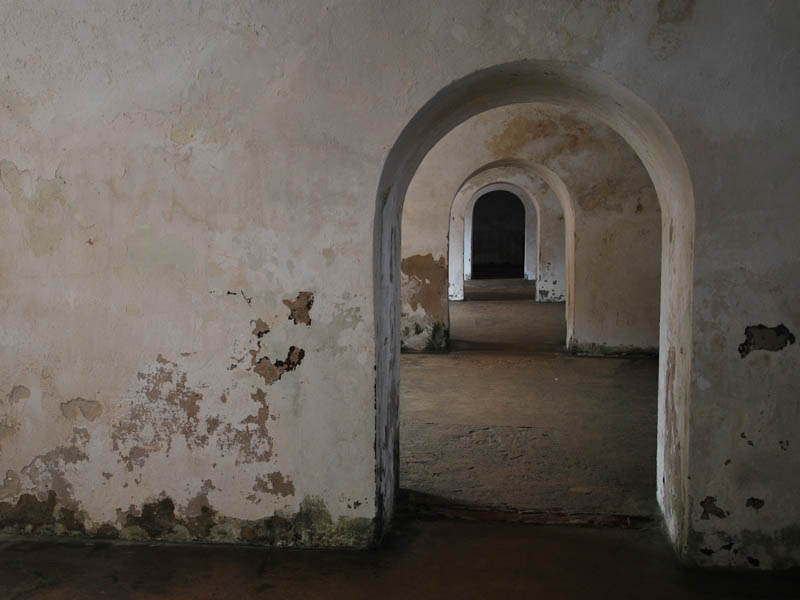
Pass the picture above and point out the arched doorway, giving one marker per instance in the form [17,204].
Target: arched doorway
[550,266]
[496,228]
[587,90]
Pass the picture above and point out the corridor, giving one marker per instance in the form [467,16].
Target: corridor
[508,421]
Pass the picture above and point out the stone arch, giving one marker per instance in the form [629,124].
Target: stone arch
[522,176]
[585,89]
[461,210]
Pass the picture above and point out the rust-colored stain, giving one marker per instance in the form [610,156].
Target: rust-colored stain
[275,483]
[300,307]
[428,284]
[602,195]
[519,131]
[567,134]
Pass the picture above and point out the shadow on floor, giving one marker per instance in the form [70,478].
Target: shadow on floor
[419,559]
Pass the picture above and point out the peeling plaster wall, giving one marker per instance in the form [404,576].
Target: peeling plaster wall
[616,291]
[171,332]
[165,151]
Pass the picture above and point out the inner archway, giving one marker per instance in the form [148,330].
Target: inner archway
[498,226]
[586,90]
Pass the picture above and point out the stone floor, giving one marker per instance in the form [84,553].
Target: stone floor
[422,559]
[507,420]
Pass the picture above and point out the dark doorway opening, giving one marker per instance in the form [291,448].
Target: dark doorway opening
[498,236]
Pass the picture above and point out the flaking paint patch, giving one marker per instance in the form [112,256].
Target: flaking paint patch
[49,471]
[427,284]
[274,483]
[271,372]
[300,307]
[162,407]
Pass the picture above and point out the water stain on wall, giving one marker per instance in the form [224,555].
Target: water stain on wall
[18,393]
[89,409]
[42,203]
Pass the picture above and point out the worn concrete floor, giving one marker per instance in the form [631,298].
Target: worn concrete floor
[422,559]
[507,420]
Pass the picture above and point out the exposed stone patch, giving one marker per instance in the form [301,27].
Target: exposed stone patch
[710,509]
[300,307]
[90,409]
[754,503]
[18,392]
[260,328]
[761,337]
[428,281]
[272,372]
[275,484]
